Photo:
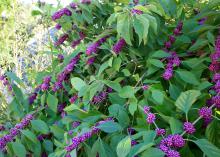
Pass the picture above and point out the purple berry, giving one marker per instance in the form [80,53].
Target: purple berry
[145,87]
[75,124]
[189,128]
[172,153]
[151,118]
[167,44]
[160,131]
[205,113]
[136,11]
[133,142]
[146,109]
[117,48]
[178,141]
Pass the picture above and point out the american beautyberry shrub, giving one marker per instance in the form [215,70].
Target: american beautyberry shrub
[142,80]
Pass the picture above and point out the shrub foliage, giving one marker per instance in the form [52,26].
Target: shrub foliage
[142,80]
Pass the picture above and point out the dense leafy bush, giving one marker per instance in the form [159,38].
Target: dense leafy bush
[142,80]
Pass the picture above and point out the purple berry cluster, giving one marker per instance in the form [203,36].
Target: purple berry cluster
[6,83]
[60,57]
[150,116]
[170,143]
[189,128]
[73,98]
[46,83]
[131,131]
[117,48]
[75,124]
[41,137]
[2,128]
[65,73]
[60,13]
[136,11]
[58,26]
[172,61]
[32,97]
[60,107]
[176,32]
[133,142]
[160,132]
[206,114]
[93,48]
[215,66]
[61,40]
[101,96]
[77,42]
[202,20]
[90,61]
[82,138]
[73,5]
[145,87]
[15,131]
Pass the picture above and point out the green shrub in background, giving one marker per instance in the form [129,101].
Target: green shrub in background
[141,80]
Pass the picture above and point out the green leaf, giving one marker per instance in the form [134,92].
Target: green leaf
[139,148]
[114,98]
[72,107]
[52,102]
[124,147]
[120,113]
[77,83]
[188,77]
[110,127]
[116,63]
[145,23]
[48,145]
[176,126]
[156,63]
[124,27]
[160,54]
[139,29]
[19,149]
[13,77]
[198,44]
[149,136]
[212,131]
[204,85]
[127,92]
[133,105]
[158,96]
[36,11]
[211,38]
[174,91]
[126,72]
[208,148]
[186,99]
[57,131]
[103,67]
[114,85]
[102,149]
[40,126]
[30,135]
[153,152]
[112,18]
